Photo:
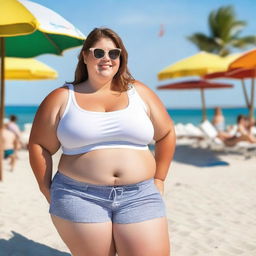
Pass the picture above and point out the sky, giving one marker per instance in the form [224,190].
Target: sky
[138,23]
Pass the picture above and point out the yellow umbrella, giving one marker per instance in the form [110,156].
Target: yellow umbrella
[199,64]
[19,22]
[27,69]
[230,58]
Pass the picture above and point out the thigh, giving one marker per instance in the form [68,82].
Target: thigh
[84,239]
[147,238]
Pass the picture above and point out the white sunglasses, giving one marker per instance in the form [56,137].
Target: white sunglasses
[99,53]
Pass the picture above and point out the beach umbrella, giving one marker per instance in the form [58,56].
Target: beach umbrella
[199,64]
[247,61]
[28,29]
[196,85]
[44,31]
[239,74]
[27,69]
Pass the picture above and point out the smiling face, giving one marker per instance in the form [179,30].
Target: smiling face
[103,69]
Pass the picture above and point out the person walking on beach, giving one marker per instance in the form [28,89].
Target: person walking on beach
[106,196]
[10,144]
[12,125]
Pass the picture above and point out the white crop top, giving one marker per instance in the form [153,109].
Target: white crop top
[80,131]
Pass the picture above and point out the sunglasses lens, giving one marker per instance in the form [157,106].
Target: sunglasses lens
[98,53]
[114,54]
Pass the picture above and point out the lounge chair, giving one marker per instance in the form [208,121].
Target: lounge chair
[188,131]
[215,143]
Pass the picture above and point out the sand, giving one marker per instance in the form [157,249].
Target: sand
[210,200]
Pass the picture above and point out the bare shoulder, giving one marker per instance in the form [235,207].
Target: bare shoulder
[46,120]
[142,88]
[55,100]
[51,107]
[147,94]
[56,96]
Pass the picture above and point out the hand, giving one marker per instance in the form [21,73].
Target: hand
[46,193]
[160,185]
[48,197]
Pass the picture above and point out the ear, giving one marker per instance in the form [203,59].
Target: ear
[84,57]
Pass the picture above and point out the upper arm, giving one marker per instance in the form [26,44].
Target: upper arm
[46,121]
[160,118]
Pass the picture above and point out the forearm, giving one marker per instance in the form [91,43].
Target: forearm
[164,151]
[41,164]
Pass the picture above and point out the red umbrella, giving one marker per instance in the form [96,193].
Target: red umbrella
[239,73]
[196,84]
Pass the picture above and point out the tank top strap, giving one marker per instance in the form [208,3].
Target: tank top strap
[70,87]
[70,97]
[71,91]
[136,97]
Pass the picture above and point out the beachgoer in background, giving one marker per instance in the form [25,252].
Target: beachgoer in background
[218,120]
[10,143]
[252,125]
[253,129]
[12,126]
[106,196]
[244,125]
[242,132]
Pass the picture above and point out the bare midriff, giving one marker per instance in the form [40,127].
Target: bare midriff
[110,166]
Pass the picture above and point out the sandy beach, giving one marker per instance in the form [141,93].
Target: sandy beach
[210,200]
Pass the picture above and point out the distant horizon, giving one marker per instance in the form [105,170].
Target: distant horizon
[191,107]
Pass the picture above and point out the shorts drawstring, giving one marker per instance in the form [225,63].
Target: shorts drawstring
[114,191]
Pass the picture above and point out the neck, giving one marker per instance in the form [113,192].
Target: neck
[96,85]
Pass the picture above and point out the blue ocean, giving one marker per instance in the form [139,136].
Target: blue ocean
[26,114]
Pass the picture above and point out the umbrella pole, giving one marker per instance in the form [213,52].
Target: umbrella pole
[245,94]
[2,48]
[203,105]
[251,115]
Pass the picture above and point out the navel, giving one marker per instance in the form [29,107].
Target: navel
[116,174]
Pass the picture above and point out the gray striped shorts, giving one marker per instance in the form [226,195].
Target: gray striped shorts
[83,202]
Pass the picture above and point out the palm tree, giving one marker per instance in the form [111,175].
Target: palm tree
[224,33]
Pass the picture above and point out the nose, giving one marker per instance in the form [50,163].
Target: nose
[106,56]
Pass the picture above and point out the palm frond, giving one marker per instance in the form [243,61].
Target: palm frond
[223,23]
[242,42]
[237,26]
[225,30]
[203,42]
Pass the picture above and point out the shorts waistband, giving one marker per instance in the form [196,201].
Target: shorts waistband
[68,180]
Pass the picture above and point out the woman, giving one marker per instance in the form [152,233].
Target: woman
[218,120]
[242,132]
[106,196]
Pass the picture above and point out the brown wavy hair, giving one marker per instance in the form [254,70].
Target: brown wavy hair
[123,77]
